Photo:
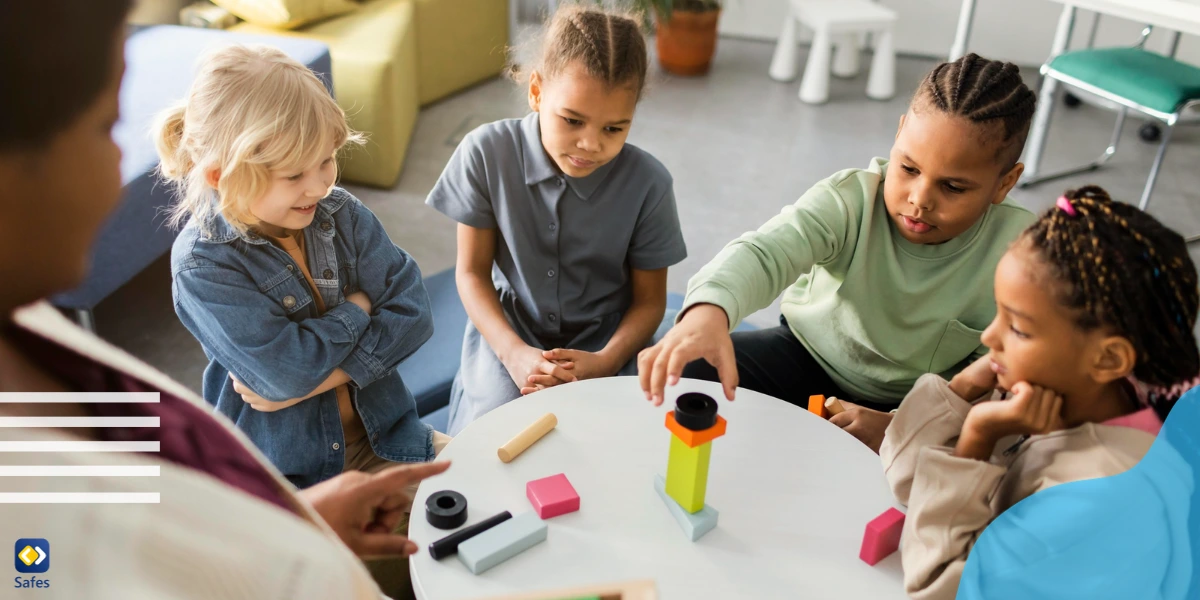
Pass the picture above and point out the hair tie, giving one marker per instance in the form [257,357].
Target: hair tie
[1065,205]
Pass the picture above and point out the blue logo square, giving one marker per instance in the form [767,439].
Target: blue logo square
[32,555]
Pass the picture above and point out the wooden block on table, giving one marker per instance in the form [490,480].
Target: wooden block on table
[687,473]
[695,438]
[882,536]
[641,589]
[522,441]
[833,406]
[552,496]
[502,542]
[694,524]
[816,406]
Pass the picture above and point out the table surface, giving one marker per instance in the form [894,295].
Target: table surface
[794,494]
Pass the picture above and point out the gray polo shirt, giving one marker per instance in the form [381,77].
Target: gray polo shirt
[566,245]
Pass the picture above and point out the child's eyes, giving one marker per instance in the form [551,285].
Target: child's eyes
[1020,334]
[954,189]
[613,129]
[572,122]
[909,170]
[295,177]
[327,162]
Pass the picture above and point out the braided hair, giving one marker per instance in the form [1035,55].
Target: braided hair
[608,45]
[984,92]
[1122,269]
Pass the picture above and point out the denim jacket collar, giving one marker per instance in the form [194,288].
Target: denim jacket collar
[219,231]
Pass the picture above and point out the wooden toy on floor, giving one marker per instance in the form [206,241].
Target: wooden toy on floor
[552,496]
[502,542]
[446,509]
[449,544]
[882,536]
[833,406]
[816,406]
[642,589]
[526,438]
[693,425]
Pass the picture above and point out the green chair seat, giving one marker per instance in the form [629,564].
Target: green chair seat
[1152,80]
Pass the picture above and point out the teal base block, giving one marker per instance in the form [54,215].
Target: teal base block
[502,542]
[694,525]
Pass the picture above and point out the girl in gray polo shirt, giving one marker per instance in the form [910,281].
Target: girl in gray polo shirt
[565,232]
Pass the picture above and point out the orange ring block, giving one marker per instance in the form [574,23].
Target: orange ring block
[695,438]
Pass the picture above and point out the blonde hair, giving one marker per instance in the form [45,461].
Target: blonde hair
[251,110]
[608,44]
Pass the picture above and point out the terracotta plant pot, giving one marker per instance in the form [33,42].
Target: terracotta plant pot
[687,41]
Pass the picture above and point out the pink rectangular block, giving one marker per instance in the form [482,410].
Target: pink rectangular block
[552,496]
[882,536]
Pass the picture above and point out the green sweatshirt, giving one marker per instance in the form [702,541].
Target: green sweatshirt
[875,310]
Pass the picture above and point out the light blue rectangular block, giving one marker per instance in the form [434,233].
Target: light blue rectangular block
[502,542]
[695,525]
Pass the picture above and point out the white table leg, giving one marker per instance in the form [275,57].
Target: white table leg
[846,55]
[814,87]
[783,64]
[1047,97]
[962,35]
[881,83]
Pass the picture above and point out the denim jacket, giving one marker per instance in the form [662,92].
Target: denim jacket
[252,310]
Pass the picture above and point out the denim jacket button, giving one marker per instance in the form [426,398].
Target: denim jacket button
[326,225]
[336,445]
[291,268]
[289,301]
[328,274]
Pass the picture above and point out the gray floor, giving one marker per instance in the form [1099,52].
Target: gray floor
[740,147]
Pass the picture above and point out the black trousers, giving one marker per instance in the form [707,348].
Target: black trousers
[773,362]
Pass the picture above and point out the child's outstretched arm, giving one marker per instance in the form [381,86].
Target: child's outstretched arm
[473,274]
[401,318]
[251,335]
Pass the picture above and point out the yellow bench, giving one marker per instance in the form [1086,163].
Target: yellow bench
[392,56]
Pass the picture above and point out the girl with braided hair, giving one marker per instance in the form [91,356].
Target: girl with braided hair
[565,232]
[1091,346]
[885,271]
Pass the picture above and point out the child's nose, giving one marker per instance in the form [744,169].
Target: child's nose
[989,337]
[589,143]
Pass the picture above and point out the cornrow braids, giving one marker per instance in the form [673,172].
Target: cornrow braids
[1124,270]
[608,45]
[984,92]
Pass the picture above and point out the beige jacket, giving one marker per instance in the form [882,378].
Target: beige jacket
[951,500]
[205,540]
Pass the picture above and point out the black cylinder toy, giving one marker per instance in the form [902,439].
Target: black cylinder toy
[696,411]
[446,509]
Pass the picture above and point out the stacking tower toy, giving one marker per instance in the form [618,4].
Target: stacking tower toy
[693,425]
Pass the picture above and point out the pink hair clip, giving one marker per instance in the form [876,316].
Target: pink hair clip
[1065,205]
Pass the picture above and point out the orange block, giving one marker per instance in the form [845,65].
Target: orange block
[816,406]
[695,438]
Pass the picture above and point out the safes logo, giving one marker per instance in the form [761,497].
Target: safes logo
[31,555]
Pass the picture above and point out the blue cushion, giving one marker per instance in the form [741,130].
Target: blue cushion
[430,371]
[159,65]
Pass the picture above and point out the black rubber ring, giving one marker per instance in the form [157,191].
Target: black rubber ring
[446,509]
[696,411]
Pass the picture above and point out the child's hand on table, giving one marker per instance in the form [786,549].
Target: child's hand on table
[863,423]
[1032,410]
[703,332]
[258,402]
[532,372]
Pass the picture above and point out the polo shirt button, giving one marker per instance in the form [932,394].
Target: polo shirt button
[550,273]
[336,445]
[560,181]
[289,301]
[328,274]
[553,317]
[553,226]
[326,225]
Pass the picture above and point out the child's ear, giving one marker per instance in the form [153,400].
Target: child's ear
[212,177]
[1115,359]
[535,91]
[1008,181]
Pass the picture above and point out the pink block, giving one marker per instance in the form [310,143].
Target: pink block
[552,496]
[882,536]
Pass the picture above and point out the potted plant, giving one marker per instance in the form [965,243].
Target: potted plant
[685,33]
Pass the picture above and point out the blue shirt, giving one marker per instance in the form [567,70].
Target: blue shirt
[252,310]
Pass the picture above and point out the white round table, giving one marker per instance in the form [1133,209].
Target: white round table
[794,494]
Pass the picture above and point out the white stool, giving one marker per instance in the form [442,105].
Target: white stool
[837,22]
